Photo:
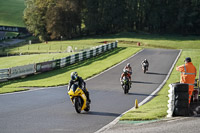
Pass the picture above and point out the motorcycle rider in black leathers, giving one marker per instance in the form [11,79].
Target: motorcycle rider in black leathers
[75,79]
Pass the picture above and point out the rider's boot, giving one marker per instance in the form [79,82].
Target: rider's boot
[88,97]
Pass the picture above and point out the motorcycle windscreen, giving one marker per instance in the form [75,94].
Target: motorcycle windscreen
[144,64]
[125,79]
[74,87]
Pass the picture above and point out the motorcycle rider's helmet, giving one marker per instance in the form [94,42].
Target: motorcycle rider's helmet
[188,59]
[145,59]
[128,65]
[74,76]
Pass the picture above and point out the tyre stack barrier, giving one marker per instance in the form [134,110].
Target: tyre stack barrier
[178,100]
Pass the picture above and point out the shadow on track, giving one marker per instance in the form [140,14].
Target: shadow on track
[138,94]
[156,73]
[103,113]
[143,82]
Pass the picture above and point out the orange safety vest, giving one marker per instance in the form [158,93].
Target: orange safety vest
[188,74]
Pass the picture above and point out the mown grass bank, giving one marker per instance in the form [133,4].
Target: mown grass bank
[50,47]
[58,77]
[13,61]
[157,107]
[11,12]
[125,39]
[157,41]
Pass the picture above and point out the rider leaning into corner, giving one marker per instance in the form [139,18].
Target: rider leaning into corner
[127,71]
[125,74]
[145,61]
[75,79]
[128,68]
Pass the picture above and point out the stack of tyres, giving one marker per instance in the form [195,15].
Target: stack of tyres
[181,105]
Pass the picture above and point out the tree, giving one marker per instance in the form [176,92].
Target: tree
[92,16]
[63,19]
[52,19]
[35,20]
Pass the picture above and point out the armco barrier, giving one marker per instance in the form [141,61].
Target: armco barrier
[4,74]
[47,66]
[87,54]
[19,71]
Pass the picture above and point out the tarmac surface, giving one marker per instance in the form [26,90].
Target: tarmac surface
[49,110]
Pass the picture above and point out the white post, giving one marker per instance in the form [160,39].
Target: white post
[170,101]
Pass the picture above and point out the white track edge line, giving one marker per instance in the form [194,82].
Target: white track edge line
[144,101]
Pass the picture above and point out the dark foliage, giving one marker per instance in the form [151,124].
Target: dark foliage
[70,18]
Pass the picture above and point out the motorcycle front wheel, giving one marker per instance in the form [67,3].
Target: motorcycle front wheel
[78,104]
[145,69]
[126,89]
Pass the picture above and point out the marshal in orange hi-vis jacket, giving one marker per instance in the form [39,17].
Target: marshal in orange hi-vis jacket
[188,74]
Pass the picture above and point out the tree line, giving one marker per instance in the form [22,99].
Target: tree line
[54,19]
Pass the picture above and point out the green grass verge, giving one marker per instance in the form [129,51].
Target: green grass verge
[11,12]
[50,47]
[157,41]
[157,107]
[126,39]
[13,61]
[58,77]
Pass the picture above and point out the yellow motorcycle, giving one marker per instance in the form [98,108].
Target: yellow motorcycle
[78,99]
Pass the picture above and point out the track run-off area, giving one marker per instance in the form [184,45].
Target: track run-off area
[49,110]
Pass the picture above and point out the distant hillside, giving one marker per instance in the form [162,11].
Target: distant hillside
[11,12]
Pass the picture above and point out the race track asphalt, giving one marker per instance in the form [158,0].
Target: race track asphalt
[50,110]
